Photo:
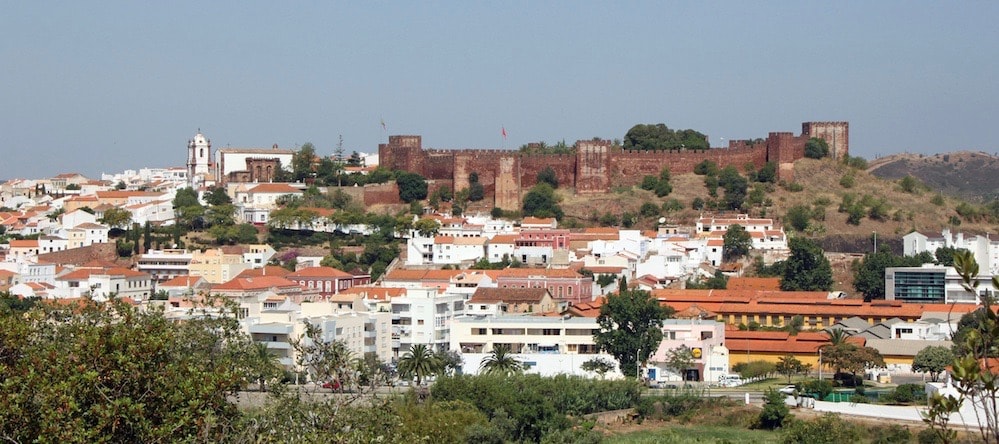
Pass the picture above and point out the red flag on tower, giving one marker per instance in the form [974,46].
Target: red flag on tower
[503,131]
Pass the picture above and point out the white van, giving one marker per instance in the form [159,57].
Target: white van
[730,380]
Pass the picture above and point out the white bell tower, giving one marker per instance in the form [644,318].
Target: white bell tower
[199,158]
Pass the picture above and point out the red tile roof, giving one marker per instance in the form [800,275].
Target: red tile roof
[319,272]
[267,270]
[274,188]
[255,283]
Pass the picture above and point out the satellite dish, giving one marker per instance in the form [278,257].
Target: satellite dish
[662,220]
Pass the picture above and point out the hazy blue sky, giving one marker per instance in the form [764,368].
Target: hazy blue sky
[103,86]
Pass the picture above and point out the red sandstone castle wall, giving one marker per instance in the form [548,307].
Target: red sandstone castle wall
[595,168]
[564,166]
[382,193]
[629,167]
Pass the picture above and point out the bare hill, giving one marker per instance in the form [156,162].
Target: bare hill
[973,176]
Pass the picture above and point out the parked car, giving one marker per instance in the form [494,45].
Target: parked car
[333,385]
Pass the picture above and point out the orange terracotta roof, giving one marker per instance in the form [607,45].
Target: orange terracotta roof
[510,295]
[319,272]
[274,188]
[754,283]
[182,281]
[255,283]
[587,309]
[25,243]
[503,239]
[267,270]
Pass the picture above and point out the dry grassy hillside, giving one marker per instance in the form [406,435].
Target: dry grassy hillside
[821,183]
[966,174]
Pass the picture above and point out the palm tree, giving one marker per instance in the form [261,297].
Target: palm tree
[265,364]
[418,362]
[837,336]
[835,348]
[500,361]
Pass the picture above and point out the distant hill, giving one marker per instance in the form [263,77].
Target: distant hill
[972,176]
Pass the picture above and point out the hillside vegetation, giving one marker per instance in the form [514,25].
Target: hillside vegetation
[891,208]
[973,176]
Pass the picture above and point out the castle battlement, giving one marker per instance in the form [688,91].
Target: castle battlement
[595,167]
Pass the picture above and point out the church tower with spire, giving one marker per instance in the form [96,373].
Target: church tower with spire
[199,158]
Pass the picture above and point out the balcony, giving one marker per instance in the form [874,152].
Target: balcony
[271,329]
[272,345]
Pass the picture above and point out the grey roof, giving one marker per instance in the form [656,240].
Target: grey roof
[853,324]
[880,331]
[903,347]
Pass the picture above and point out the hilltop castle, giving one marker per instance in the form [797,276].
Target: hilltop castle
[596,166]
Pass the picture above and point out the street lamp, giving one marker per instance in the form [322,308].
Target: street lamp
[820,364]
[875,241]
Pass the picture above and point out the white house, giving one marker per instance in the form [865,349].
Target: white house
[706,341]
[545,345]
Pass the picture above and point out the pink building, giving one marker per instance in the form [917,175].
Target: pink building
[563,284]
[327,280]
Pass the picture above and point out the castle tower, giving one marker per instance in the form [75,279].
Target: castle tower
[592,166]
[836,134]
[199,158]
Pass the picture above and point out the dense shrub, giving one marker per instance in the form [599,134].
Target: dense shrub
[890,434]
[775,412]
[826,429]
[537,405]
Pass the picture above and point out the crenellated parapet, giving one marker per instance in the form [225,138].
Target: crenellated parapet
[596,166]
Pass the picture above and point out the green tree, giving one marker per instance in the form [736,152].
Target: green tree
[426,227]
[706,168]
[678,360]
[302,161]
[789,366]
[807,269]
[476,191]
[187,208]
[598,365]
[412,186]
[735,187]
[323,360]
[816,148]
[932,360]
[217,196]
[736,242]
[869,273]
[767,174]
[630,328]
[547,175]
[115,217]
[112,372]
[263,365]
[775,411]
[657,137]
[945,255]
[419,362]
[500,362]
[798,217]
[541,201]
[450,362]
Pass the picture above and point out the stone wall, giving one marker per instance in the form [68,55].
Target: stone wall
[506,174]
[382,193]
